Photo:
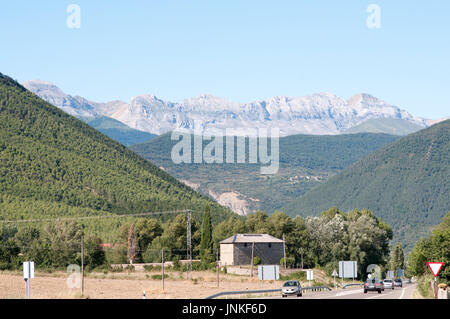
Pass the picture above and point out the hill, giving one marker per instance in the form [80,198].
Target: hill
[305,161]
[405,183]
[385,125]
[118,131]
[54,165]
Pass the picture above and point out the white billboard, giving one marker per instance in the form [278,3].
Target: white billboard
[348,269]
[270,272]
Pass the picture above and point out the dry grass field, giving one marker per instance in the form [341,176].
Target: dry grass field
[126,285]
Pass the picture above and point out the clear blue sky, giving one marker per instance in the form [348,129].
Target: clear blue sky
[240,50]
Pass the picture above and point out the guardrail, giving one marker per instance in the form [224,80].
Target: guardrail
[350,285]
[317,288]
[242,292]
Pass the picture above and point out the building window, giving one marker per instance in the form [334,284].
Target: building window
[245,245]
[270,245]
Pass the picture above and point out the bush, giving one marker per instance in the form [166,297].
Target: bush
[116,269]
[256,260]
[176,263]
[159,277]
[298,275]
[423,286]
[130,268]
[290,262]
[330,267]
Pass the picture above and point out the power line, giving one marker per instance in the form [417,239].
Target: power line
[90,217]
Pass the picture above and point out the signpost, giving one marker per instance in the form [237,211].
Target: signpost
[28,273]
[334,274]
[435,268]
[309,276]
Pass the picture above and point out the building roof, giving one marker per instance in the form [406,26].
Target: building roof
[251,238]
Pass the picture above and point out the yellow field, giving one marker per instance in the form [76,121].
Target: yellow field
[126,285]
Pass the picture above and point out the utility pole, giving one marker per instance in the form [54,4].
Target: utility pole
[189,243]
[82,264]
[251,261]
[218,268]
[284,249]
[302,251]
[162,267]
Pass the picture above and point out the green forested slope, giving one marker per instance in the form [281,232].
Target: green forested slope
[386,125]
[118,131]
[305,161]
[52,164]
[406,183]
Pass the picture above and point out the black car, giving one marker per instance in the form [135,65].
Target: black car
[373,284]
[398,282]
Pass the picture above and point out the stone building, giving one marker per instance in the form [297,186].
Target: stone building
[237,249]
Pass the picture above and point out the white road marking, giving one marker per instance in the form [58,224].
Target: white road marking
[382,295]
[345,293]
[403,293]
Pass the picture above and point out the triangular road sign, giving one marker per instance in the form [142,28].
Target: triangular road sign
[435,268]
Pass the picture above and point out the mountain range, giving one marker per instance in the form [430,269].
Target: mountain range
[322,113]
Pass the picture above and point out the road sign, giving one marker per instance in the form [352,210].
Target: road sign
[348,269]
[334,274]
[28,270]
[309,275]
[390,274]
[400,272]
[28,273]
[435,268]
[269,272]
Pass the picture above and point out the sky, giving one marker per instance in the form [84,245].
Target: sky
[244,51]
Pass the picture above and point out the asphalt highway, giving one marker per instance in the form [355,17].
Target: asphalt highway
[358,293]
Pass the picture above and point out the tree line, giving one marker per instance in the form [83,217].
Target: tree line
[312,242]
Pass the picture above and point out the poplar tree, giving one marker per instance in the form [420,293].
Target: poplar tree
[206,243]
[397,258]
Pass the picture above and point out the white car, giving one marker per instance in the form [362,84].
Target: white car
[388,283]
[291,287]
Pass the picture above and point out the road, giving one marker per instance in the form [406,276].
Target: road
[358,293]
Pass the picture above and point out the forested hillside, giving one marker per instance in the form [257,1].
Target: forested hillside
[118,131]
[305,161]
[406,183]
[54,165]
[385,125]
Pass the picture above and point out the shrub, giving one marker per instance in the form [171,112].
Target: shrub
[298,275]
[130,268]
[159,277]
[290,261]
